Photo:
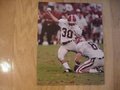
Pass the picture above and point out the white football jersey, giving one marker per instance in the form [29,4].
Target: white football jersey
[68,32]
[89,49]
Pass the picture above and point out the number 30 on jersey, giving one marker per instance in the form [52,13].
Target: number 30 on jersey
[67,33]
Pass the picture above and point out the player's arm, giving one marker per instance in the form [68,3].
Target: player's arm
[78,31]
[78,58]
[53,17]
[78,34]
[80,49]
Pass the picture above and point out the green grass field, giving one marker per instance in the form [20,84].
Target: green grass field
[51,72]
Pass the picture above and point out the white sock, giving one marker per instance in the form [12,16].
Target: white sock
[93,71]
[66,66]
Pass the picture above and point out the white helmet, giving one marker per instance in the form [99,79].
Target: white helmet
[72,19]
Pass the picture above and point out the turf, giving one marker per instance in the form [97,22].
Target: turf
[50,71]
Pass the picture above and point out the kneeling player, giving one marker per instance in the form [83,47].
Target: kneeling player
[94,54]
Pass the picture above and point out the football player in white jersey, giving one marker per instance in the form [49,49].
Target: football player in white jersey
[69,30]
[95,57]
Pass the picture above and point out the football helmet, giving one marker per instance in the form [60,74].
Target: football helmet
[72,19]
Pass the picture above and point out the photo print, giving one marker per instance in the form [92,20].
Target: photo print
[70,44]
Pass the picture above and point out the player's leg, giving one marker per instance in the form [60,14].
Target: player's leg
[94,35]
[54,35]
[98,35]
[86,66]
[90,66]
[99,65]
[39,31]
[72,47]
[49,34]
[77,61]
[61,54]
[101,37]
[43,31]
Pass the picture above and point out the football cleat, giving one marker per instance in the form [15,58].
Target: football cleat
[100,69]
[76,67]
[68,70]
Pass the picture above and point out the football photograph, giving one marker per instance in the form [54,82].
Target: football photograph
[70,44]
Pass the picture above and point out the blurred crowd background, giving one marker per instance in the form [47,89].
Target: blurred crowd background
[89,19]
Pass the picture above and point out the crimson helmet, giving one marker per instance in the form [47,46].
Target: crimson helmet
[72,19]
